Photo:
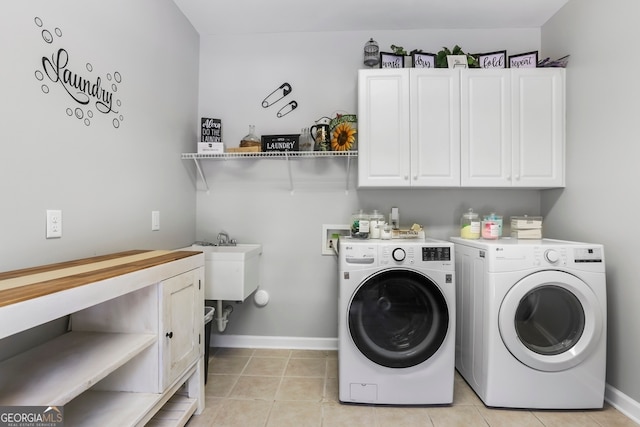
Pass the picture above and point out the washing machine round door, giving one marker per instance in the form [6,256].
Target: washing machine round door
[550,321]
[398,318]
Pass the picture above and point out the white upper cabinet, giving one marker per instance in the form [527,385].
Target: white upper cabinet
[485,110]
[408,125]
[383,128]
[538,127]
[470,128]
[435,128]
[513,127]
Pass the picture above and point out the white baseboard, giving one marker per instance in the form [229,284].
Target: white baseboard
[253,341]
[622,403]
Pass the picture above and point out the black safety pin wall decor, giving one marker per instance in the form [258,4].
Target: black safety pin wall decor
[287,109]
[271,99]
[275,96]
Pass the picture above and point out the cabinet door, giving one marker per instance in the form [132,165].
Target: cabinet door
[383,128]
[435,127]
[538,105]
[183,323]
[485,128]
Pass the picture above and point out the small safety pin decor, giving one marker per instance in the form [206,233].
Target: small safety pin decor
[287,109]
[271,99]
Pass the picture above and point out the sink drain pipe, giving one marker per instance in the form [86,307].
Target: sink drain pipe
[223,315]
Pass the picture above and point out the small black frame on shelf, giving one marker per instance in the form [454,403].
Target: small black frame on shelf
[497,59]
[391,60]
[524,60]
[423,60]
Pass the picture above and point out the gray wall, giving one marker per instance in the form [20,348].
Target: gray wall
[251,199]
[600,201]
[106,180]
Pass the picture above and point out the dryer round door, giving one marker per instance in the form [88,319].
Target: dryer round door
[398,318]
[550,321]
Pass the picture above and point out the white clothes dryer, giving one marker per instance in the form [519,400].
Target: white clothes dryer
[396,332]
[532,322]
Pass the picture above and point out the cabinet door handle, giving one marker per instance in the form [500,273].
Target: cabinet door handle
[406,177]
[169,335]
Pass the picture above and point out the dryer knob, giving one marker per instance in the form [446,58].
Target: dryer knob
[551,256]
[399,254]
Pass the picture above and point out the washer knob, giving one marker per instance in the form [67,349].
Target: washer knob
[552,256]
[399,254]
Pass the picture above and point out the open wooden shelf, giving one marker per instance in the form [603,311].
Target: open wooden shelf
[57,371]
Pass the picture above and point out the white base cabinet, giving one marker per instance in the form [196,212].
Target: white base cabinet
[471,128]
[135,343]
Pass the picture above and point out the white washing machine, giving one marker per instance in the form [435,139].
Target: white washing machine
[396,321]
[532,322]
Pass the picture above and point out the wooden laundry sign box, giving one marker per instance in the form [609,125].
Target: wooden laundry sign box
[278,143]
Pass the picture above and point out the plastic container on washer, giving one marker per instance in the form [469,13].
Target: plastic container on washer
[470,225]
[376,222]
[360,228]
[491,226]
[385,232]
[490,229]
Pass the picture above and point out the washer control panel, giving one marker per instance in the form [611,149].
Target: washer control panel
[412,254]
[390,254]
[437,253]
[399,254]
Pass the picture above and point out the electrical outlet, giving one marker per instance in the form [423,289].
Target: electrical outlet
[330,235]
[155,220]
[54,224]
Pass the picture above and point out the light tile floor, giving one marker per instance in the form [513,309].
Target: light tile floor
[299,388]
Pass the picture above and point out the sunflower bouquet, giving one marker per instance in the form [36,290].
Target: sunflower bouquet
[344,134]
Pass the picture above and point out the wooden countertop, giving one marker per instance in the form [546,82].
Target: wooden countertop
[21,285]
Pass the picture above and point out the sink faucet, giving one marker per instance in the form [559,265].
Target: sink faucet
[223,239]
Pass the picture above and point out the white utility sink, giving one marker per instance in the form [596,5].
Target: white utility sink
[234,253]
[231,273]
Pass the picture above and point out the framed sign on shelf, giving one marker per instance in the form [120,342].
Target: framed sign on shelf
[391,60]
[424,60]
[497,59]
[457,61]
[524,60]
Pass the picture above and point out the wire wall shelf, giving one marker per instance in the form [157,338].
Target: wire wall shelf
[285,155]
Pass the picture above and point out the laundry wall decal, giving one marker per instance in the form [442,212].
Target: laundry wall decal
[86,91]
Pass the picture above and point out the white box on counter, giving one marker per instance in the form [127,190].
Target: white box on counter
[526,222]
[210,147]
[531,233]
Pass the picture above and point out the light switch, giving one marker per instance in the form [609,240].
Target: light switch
[155,220]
